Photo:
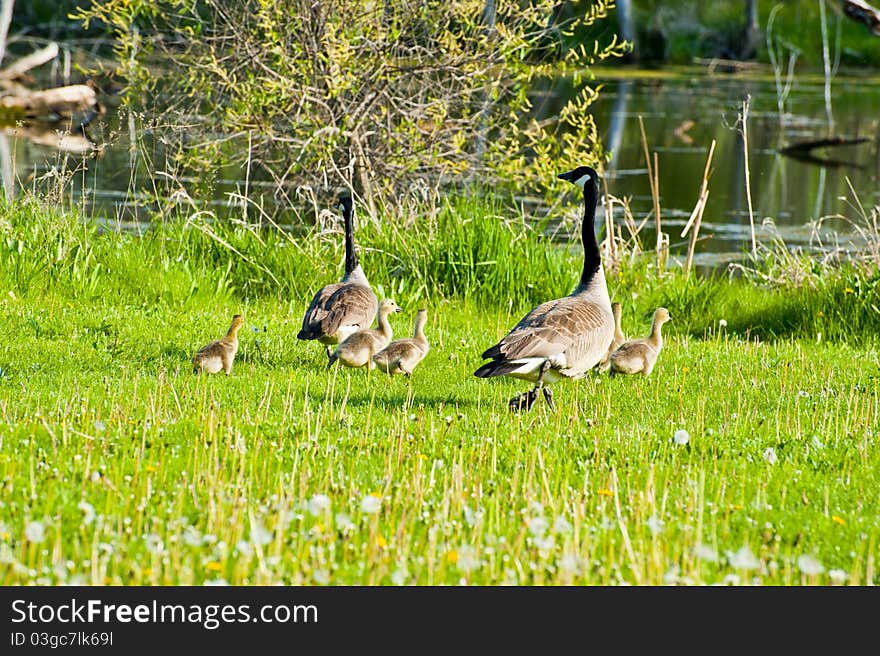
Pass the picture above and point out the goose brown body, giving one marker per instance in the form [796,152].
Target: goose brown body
[402,355]
[640,355]
[220,354]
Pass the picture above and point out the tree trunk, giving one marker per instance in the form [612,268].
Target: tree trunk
[625,25]
[5,20]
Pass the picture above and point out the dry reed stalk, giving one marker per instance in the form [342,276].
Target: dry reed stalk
[654,179]
[697,215]
[744,119]
[611,247]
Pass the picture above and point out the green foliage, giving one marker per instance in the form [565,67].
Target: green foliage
[364,94]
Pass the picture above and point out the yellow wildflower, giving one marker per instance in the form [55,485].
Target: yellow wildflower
[838,520]
[214,566]
[452,557]
[605,493]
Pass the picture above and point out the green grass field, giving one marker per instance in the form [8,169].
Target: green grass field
[118,466]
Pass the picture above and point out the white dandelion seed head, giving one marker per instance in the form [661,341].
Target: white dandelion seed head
[545,544]
[321,576]
[743,559]
[536,508]
[467,559]
[562,526]
[837,576]
[99,426]
[672,575]
[400,575]
[722,322]
[681,436]
[95,476]
[35,532]
[245,548]
[731,579]
[473,517]
[343,522]
[318,505]
[770,455]
[88,511]
[569,563]
[707,553]
[260,535]
[153,543]
[192,536]
[371,504]
[809,565]
[538,526]
[655,524]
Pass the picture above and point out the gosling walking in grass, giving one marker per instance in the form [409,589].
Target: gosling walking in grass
[402,355]
[219,354]
[640,355]
[357,349]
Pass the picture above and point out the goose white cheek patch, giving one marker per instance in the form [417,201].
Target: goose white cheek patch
[581,181]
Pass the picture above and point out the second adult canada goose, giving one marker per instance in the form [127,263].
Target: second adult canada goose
[357,349]
[619,338]
[565,337]
[402,355]
[341,309]
[640,355]
[219,354]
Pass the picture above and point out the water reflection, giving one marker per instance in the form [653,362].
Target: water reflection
[682,115]
[792,192]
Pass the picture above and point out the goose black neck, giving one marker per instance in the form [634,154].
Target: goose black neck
[592,259]
[351,258]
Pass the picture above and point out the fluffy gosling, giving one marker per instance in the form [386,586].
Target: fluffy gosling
[402,355]
[640,355]
[219,354]
[357,349]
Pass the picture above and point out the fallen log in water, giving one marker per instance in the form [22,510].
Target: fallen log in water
[52,136]
[863,13]
[51,104]
[803,150]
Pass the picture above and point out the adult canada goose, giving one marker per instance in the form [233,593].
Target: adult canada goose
[565,337]
[340,309]
[402,355]
[219,354]
[619,338]
[640,355]
[357,349]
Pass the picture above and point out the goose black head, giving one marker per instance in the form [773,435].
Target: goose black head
[581,176]
[344,204]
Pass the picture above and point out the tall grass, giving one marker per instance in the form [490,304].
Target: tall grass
[468,249]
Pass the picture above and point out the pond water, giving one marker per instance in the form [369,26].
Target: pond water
[682,114]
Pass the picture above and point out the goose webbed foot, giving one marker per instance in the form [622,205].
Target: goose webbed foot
[523,401]
[548,395]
